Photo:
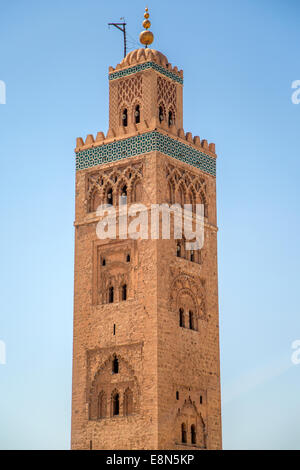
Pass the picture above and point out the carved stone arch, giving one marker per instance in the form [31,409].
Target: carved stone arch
[121,182]
[180,193]
[136,189]
[94,197]
[107,186]
[137,102]
[171,110]
[183,284]
[123,105]
[161,108]
[191,197]
[105,380]
[171,189]
[189,415]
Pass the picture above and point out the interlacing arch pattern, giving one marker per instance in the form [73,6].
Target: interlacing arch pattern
[189,426]
[130,89]
[187,294]
[109,398]
[184,187]
[107,187]
[166,96]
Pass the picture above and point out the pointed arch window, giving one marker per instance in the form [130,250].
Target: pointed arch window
[171,119]
[124,292]
[111,295]
[109,198]
[161,115]
[137,114]
[181,317]
[178,250]
[116,404]
[123,200]
[183,433]
[115,366]
[125,117]
[191,320]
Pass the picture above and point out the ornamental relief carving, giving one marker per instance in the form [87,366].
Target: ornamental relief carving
[122,183]
[187,293]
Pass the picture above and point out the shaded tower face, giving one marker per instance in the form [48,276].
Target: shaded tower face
[143,87]
[146,369]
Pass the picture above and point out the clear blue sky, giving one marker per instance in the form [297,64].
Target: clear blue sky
[239,59]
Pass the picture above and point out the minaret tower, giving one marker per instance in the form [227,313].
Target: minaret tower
[146,371]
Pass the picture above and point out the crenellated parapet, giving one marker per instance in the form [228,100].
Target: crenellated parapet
[137,129]
[144,138]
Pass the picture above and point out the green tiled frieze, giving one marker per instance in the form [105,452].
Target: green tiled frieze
[145,66]
[145,143]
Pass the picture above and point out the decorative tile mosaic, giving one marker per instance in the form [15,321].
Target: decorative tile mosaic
[145,143]
[145,66]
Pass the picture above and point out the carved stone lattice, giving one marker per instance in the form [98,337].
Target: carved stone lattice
[129,90]
[166,93]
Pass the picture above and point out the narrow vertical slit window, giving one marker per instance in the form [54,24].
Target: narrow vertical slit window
[137,114]
[116,404]
[181,317]
[124,292]
[183,434]
[125,117]
[115,366]
[111,295]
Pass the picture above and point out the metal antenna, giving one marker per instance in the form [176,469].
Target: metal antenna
[121,27]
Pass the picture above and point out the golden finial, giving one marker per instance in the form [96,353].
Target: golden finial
[146,37]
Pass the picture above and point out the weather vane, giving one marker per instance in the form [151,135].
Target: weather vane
[121,27]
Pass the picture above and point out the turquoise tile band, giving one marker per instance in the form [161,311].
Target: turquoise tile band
[145,66]
[145,143]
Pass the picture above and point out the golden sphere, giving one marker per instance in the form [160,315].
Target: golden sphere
[146,24]
[146,15]
[146,38]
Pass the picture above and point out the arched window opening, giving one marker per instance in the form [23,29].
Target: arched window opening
[192,255]
[193,434]
[137,114]
[178,250]
[183,434]
[161,114]
[171,119]
[109,199]
[128,258]
[124,292]
[128,402]
[191,320]
[201,400]
[101,405]
[115,366]
[181,317]
[103,262]
[177,395]
[116,404]
[125,117]
[124,195]
[110,295]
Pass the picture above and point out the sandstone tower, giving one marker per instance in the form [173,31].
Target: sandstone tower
[146,371]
